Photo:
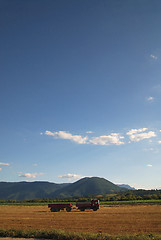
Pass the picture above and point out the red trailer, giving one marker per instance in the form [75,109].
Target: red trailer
[93,204]
[56,207]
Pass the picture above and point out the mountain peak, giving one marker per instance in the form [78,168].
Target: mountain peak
[84,187]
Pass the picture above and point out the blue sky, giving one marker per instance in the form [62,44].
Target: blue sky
[80,91]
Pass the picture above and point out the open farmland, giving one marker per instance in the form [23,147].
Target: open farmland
[111,220]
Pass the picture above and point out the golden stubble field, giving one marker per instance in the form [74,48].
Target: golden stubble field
[111,220]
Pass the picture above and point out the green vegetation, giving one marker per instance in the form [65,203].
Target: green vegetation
[132,196]
[32,203]
[132,202]
[61,235]
[41,202]
[88,186]
[82,188]
[128,197]
[27,190]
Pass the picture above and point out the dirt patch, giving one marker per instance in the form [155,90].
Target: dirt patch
[111,220]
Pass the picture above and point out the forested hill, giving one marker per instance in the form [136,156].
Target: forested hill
[27,190]
[32,190]
[87,186]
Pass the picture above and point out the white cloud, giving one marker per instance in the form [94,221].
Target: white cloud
[5,164]
[71,176]
[89,132]
[30,175]
[153,57]
[113,138]
[141,136]
[149,149]
[149,165]
[35,164]
[137,135]
[0,169]
[134,131]
[65,135]
[150,99]
[159,142]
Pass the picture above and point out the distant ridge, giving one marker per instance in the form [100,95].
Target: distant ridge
[87,186]
[81,188]
[126,186]
[27,190]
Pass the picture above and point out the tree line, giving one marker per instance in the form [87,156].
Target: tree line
[123,196]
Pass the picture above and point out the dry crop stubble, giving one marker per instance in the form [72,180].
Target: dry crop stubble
[111,220]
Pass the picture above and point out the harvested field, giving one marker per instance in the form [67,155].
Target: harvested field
[111,220]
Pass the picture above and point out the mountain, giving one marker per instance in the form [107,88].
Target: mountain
[27,190]
[87,186]
[126,186]
[81,188]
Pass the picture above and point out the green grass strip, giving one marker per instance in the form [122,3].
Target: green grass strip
[32,204]
[61,235]
[125,202]
[131,202]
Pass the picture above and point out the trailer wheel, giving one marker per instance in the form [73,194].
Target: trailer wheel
[94,209]
[68,209]
[82,209]
[54,210]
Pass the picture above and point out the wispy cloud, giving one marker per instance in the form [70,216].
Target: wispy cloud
[153,56]
[89,132]
[149,165]
[30,175]
[150,99]
[70,176]
[137,135]
[159,142]
[66,135]
[157,88]
[35,164]
[136,131]
[0,169]
[5,164]
[149,149]
[113,138]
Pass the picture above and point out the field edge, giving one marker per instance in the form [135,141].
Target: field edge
[62,235]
